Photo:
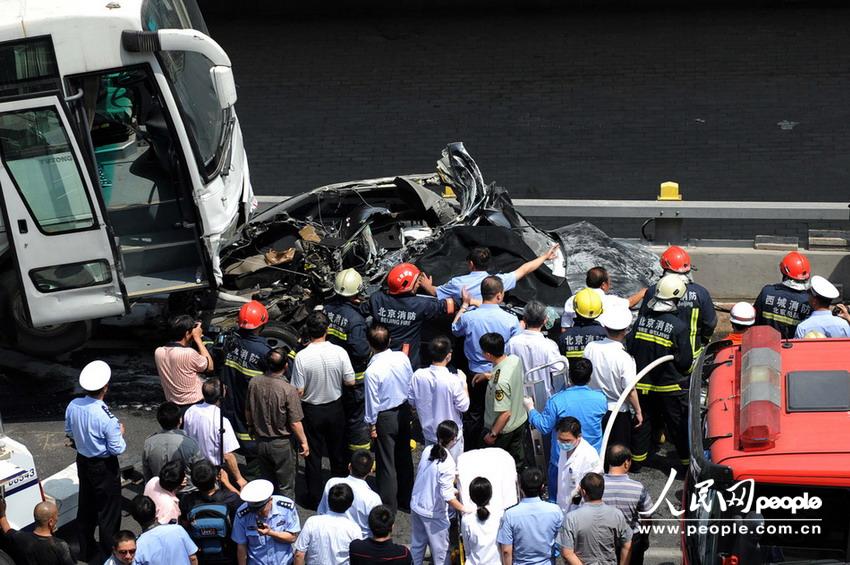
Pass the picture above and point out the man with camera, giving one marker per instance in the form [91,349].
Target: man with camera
[180,365]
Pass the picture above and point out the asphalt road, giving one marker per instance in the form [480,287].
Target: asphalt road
[33,411]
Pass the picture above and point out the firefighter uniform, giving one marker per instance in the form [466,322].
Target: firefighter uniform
[575,338]
[663,393]
[696,309]
[404,315]
[348,330]
[782,307]
[242,362]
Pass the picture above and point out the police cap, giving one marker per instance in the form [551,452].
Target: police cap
[824,288]
[257,492]
[95,376]
[616,319]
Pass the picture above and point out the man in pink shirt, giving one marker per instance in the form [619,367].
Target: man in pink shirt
[179,365]
[163,491]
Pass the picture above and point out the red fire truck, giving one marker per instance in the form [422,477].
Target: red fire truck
[769,480]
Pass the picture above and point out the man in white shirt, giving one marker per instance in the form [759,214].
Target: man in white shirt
[577,458]
[536,350]
[203,423]
[598,280]
[437,394]
[388,416]
[319,372]
[325,538]
[365,499]
[613,373]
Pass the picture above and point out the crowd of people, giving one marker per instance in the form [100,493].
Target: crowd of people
[220,474]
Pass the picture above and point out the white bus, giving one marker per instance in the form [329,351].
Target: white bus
[123,169]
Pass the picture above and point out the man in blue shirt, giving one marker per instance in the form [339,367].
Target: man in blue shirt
[585,404]
[528,530]
[99,439]
[265,526]
[478,261]
[487,318]
[821,295]
[160,543]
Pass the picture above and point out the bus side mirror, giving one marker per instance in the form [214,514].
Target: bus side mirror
[224,85]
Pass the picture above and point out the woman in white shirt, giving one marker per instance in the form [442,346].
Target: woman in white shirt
[433,493]
[479,529]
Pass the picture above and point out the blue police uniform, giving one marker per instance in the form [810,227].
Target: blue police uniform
[487,318]
[823,321]
[782,307]
[586,405]
[696,309]
[531,527]
[242,362]
[404,315]
[97,437]
[348,330]
[472,282]
[265,550]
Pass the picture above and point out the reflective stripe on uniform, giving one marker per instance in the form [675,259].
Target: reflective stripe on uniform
[338,334]
[653,339]
[694,320]
[646,388]
[781,319]
[359,376]
[244,370]
[244,437]
[575,354]
[639,457]
[358,447]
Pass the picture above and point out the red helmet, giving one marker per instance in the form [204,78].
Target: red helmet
[253,315]
[795,266]
[676,259]
[402,278]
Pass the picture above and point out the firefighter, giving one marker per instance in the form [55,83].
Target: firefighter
[244,360]
[784,305]
[663,393]
[403,312]
[585,329]
[741,317]
[348,330]
[695,308]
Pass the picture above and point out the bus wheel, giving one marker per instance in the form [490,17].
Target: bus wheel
[280,335]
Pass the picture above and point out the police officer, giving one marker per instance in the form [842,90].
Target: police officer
[585,328]
[784,305]
[663,393]
[348,330]
[265,526]
[99,439]
[243,361]
[403,312]
[695,308]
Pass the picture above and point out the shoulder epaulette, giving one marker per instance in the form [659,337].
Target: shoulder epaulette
[288,504]
[106,409]
[243,512]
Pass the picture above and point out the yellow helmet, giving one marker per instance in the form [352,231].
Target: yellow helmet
[814,334]
[588,303]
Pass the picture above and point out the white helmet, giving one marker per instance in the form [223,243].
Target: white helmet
[348,283]
[743,314]
[670,286]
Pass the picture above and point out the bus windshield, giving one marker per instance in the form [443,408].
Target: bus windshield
[189,76]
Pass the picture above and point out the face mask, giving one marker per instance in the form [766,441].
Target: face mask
[566,446]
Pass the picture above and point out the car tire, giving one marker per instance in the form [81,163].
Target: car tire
[5,559]
[280,335]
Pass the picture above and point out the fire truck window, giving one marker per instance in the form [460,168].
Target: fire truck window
[818,391]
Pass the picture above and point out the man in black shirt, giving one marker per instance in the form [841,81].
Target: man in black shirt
[38,547]
[204,475]
[380,547]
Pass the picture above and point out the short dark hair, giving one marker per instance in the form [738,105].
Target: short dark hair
[276,360]
[618,454]
[492,343]
[381,520]
[480,258]
[122,536]
[211,390]
[171,475]
[534,314]
[179,325]
[569,424]
[340,497]
[361,463]
[593,485]
[819,300]
[531,482]
[317,324]
[596,277]
[490,287]
[143,510]
[204,475]
[439,348]
[378,337]
[580,371]
[168,415]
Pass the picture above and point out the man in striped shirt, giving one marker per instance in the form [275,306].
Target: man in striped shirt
[629,495]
